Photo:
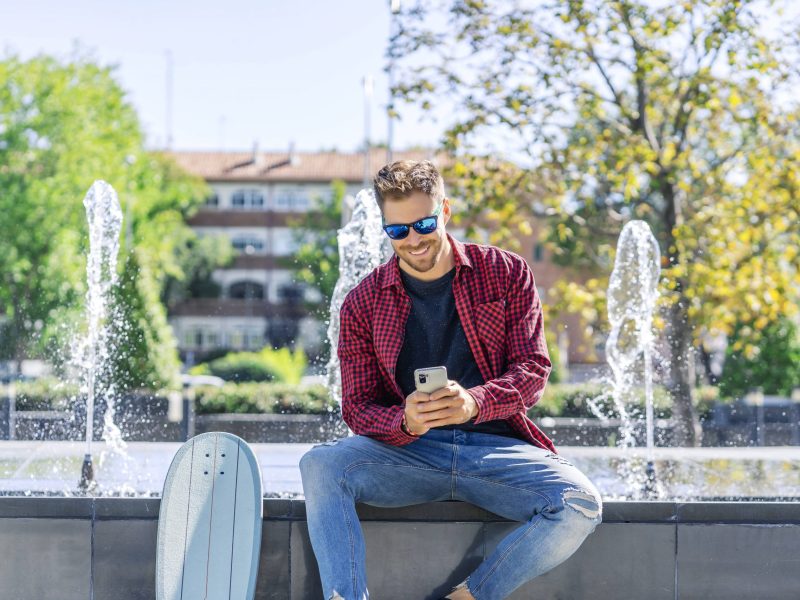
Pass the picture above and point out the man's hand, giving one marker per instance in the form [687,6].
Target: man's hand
[450,405]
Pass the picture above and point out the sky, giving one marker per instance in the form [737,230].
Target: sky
[270,72]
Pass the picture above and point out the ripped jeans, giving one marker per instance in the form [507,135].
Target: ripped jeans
[557,504]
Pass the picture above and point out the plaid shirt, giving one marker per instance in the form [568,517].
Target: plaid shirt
[501,314]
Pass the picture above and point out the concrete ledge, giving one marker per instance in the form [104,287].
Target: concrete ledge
[63,547]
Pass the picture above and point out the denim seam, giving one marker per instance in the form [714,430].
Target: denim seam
[513,487]
[533,526]
[361,464]
[453,471]
[352,543]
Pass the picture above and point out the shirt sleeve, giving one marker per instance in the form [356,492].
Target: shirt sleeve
[529,366]
[361,383]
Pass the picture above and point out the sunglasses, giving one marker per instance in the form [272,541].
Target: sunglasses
[424,226]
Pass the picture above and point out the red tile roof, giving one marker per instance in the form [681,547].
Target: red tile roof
[277,166]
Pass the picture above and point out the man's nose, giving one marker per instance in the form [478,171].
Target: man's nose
[414,238]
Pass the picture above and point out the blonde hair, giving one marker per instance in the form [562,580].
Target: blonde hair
[402,178]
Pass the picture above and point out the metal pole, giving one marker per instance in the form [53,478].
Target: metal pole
[395,9]
[796,419]
[168,116]
[12,411]
[367,143]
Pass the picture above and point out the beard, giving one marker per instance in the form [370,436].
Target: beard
[424,263]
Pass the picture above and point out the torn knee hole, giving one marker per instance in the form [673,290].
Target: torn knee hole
[584,502]
[461,586]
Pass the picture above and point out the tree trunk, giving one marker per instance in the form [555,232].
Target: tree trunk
[681,380]
[687,431]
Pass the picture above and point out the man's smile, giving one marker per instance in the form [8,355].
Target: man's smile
[419,252]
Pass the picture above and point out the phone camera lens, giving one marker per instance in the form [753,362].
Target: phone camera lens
[423,378]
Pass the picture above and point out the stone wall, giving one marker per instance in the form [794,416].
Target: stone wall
[104,549]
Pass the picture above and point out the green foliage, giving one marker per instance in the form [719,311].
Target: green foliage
[259,398]
[145,354]
[62,126]
[281,365]
[773,364]
[47,393]
[197,259]
[317,259]
[555,357]
[575,400]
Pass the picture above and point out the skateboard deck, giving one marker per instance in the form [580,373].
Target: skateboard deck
[209,524]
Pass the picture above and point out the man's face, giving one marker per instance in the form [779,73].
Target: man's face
[419,252]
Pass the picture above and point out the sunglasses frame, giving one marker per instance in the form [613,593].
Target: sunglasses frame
[413,225]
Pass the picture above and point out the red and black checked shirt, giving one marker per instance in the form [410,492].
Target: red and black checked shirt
[501,314]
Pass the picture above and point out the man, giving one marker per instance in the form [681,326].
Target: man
[475,310]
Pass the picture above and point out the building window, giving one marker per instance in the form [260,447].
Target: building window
[243,338]
[212,201]
[254,340]
[291,293]
[247,200]
[284,242]
[294,200]
[244,290]
[212,339]
[248,245]
[189,338]
[538,253]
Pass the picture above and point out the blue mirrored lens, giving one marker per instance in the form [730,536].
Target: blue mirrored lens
[426,225]
[396,232]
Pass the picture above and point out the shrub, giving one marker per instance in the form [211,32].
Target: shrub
[575,399]
[260,398]
[773,364]
[45,394]
[281,365]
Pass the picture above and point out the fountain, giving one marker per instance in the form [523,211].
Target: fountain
[632,295]
[362,247]
[105,223]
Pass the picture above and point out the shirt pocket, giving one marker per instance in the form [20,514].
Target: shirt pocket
[490,321]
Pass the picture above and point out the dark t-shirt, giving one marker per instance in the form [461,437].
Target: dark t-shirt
[434,337]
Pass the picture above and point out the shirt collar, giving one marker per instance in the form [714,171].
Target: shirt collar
[391,272]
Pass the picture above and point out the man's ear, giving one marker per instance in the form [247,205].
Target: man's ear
[446,210]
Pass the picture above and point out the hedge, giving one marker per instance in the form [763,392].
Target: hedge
[559,400]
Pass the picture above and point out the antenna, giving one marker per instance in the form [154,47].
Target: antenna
[168,118]
[367,144]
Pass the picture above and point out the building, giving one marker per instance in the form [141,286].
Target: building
[255,197]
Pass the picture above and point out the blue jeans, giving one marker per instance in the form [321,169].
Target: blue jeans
[557,504]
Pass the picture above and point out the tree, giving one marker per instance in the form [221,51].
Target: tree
[589,113]
[773,364]
[62,126]
[198,259]
[317,259]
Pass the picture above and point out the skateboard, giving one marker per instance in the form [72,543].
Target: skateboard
[209,525]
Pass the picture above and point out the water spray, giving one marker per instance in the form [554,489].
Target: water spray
[105,223]
[632,295]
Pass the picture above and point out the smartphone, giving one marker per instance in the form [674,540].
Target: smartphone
[430,379]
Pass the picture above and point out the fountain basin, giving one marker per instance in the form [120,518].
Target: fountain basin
[53,468]
[65,548]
